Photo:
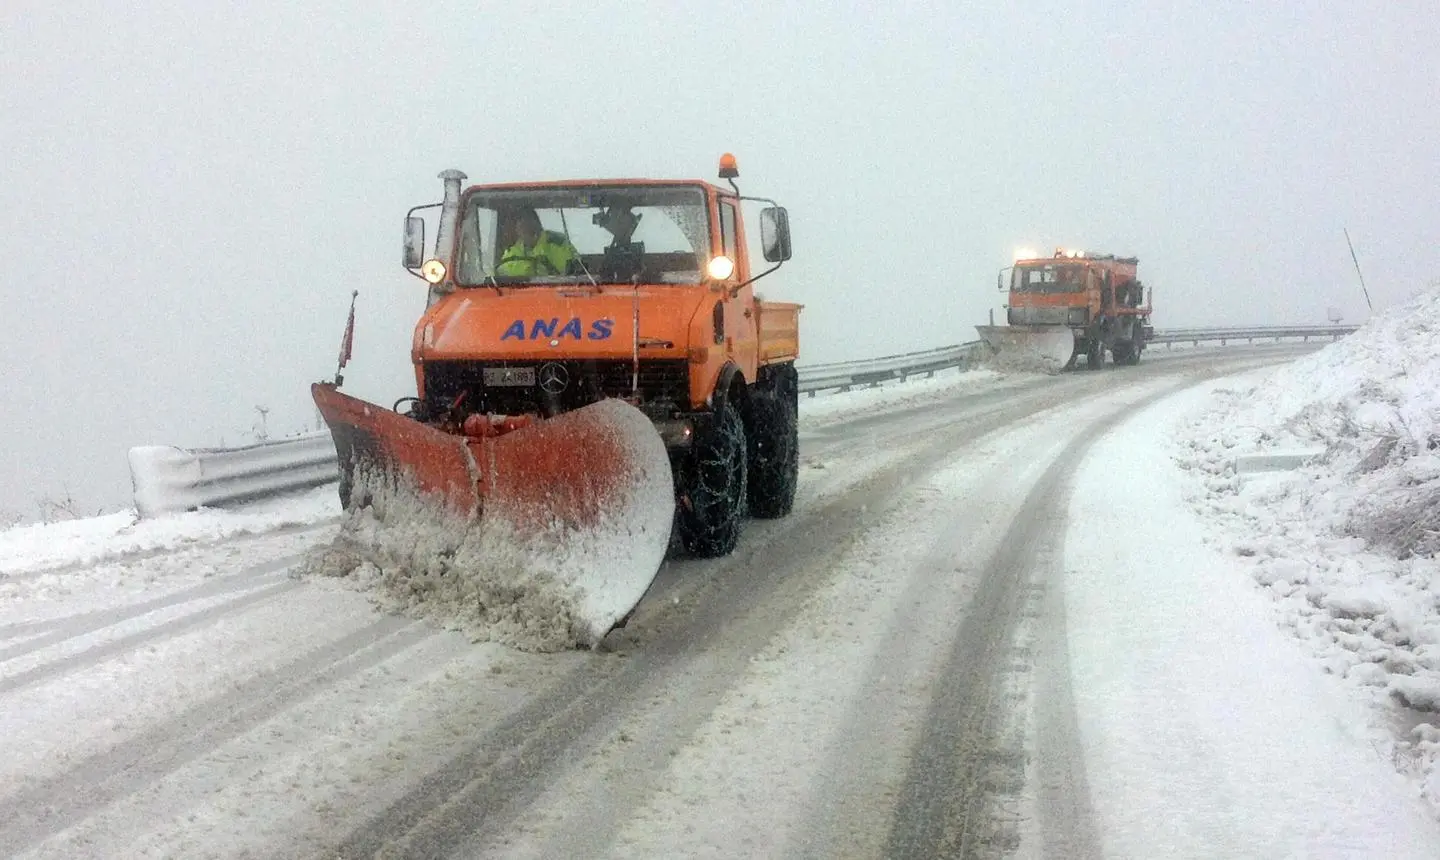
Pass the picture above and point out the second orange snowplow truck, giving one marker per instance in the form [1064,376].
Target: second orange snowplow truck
[588,345]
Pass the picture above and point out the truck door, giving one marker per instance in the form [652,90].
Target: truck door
[741,331]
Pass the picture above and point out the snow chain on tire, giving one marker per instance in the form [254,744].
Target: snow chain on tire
[774,455]
[712,512]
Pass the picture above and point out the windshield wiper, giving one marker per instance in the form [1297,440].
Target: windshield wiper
[565,226]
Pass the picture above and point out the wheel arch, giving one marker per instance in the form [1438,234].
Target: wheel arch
[731,388]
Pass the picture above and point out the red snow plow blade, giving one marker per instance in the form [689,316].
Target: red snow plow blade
[579,506]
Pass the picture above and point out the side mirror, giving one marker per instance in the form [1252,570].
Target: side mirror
[775,233]
[414,242]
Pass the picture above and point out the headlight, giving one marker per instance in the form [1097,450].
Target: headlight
[721,268]
[1079,316]
[433,270]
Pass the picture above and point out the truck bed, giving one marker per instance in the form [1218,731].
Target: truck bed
[779,326]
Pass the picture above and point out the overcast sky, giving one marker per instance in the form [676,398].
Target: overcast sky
[189,191]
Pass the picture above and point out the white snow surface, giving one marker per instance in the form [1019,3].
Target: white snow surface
[1209,731]
[112,536]
[1343,547]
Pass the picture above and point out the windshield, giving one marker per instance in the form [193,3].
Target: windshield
[621,234]
[1049,278]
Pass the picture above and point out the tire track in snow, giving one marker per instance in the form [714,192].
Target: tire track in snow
[799,758]
[1067,826]
[857,783]
[957,761]
[633,797]
[176,627]
[51,805]
[87,623]
[678,581]
[728,618]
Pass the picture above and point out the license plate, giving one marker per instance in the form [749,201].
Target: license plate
[509,376]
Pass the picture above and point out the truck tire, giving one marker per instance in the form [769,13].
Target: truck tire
[711,509]
[774,455]
[1095,357]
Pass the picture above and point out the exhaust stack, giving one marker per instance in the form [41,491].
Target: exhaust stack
[445,233]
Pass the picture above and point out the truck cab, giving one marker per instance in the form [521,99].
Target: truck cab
[547,297]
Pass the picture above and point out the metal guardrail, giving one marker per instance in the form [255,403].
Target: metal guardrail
[842,375]
[1251,334]
[845,375]
[168,479]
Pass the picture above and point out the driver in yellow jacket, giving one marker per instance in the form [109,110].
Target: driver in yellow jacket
[536,251]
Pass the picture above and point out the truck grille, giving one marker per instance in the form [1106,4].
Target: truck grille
[551,386]
[1044,315]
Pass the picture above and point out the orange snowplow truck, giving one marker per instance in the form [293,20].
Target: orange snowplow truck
[582,337]
[1076,303]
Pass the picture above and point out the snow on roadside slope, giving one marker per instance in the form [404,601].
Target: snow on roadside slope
[1207,732]
[1343,546]
[93,540]
[1373,401]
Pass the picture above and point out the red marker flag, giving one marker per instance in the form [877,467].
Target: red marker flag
[347,343]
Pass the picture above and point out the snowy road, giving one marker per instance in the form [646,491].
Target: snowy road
[876,675]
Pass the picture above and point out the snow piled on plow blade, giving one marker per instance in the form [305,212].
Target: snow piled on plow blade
[1043,349]
[505,575]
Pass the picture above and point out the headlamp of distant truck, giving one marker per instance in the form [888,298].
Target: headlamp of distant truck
[721,268]
[433,270]
[1079,316]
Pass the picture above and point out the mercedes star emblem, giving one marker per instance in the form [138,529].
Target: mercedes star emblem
[554,377]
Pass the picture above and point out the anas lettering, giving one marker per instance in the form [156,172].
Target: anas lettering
[574,329]
[543,327]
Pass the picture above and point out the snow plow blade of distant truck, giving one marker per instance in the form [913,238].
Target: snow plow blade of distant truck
[583,502]
[1048,348]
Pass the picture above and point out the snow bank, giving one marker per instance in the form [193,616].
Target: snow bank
[96,539]
[1345,544]
[1373,401]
